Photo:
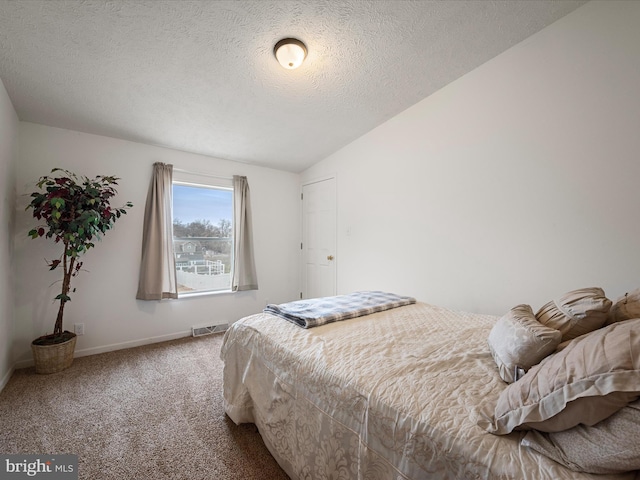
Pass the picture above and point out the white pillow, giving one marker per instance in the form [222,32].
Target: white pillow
[590,379]
[576,312]
[518,340]
[625,308]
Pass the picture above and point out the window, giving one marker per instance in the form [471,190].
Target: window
[203,234]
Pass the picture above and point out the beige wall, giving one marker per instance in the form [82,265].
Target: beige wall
[8,154]
[105,298]
[513,184]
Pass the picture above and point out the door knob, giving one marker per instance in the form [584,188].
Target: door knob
[329,257]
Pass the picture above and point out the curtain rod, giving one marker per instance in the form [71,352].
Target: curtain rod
[201,174]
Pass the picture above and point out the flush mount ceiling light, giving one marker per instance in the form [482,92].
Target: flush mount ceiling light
[290,52]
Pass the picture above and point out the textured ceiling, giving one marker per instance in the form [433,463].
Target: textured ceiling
[201,76]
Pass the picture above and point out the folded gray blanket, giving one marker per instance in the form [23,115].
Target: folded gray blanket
[320,311]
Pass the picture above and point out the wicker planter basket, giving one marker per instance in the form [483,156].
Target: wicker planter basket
[53,358]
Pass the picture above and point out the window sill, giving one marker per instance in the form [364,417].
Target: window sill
[203,294]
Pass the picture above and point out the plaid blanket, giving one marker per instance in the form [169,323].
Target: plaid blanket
[320,311]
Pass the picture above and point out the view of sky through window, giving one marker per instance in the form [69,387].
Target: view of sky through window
[201,203]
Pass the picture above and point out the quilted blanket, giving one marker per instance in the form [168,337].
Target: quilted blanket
[320,311]
[393,396]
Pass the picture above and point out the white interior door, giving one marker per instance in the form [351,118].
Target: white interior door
[319,239]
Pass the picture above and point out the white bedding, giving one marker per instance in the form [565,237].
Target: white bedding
[392,395]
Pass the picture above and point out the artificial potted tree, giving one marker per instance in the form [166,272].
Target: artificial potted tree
[75,211]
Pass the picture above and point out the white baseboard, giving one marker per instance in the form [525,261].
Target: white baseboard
[113,347]
[6,378]
[130,344]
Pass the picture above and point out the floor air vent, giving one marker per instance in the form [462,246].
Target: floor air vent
[208,329]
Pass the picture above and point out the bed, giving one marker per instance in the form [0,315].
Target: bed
[396,394]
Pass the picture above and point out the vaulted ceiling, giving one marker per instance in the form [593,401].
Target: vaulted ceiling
[201,76]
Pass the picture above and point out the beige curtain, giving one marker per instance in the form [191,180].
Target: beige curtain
[244,270]
[158,265]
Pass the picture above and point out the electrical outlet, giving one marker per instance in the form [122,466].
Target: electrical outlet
[78,328]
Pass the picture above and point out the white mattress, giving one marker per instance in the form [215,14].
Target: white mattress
[393,395]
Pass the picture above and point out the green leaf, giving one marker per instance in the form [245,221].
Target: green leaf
[58,203]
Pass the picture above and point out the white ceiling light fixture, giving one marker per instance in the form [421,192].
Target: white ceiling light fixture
[290,52]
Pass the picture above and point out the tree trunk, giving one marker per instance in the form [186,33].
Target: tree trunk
[66,286]
[57,330]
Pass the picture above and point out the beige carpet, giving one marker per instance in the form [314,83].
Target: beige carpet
[152,412]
